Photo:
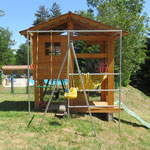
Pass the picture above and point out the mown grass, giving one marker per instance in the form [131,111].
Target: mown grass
[74,132]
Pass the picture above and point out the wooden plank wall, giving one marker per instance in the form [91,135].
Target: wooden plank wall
[44,63]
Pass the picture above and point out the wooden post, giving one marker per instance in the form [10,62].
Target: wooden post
[70,25]
[111,70]
[36,90]
[103,86]
[36,96]
[71,68]
[41,82]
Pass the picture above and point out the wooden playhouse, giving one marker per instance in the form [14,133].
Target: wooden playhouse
[48,65]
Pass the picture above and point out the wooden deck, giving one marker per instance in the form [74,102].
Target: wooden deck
[98,109]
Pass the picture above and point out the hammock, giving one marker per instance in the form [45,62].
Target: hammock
[90,81]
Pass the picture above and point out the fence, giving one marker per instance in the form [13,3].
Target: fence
[15,86]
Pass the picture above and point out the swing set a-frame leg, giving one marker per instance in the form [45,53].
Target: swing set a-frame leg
[85,95]
[81,83]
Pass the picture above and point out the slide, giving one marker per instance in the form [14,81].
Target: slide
[134,115]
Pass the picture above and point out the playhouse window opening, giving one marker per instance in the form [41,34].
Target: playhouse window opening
[94,48]
[80,46]
[91,65]
[87,47]
[56,48]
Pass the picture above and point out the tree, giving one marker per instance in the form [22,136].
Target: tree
[88,14]
[128,16]
[55,10]
[41,15]
[21,55]
[44,14]
[86,65]
[2,13]
[141,78]
[6,53]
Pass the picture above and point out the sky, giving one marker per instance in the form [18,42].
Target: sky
[20,13]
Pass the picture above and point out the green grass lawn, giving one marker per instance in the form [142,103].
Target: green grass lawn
[74,132]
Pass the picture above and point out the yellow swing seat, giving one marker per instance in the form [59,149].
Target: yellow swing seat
[72,94]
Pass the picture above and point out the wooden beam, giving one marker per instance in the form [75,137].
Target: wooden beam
[110,70]
[85,24]
[104,85]
[70,24]
[118,36]
[80,27]
[79,102]
[71,59]
[94,42]
[98,110]
[34,57]
[91,55]
[54,25]
[90,38]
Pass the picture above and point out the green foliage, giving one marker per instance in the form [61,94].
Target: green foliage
[6,53]
[44,14]
[141,78]
[94,48]
[86,65]
[55,10]
[21,55]
[128,16]
[80,47]
[88,14]
[41,15]
[2,13]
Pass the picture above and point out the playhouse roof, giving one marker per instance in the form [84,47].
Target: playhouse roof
[79,23]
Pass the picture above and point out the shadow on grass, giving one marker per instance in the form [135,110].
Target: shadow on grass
[101,116]
[54,123]
[130,123]
[15,106]
[77,114]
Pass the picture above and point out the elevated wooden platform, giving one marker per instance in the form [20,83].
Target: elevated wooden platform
[98,109]
[80,101]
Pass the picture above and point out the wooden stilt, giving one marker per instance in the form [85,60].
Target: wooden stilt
[103,86]
[41,82]
[36,96]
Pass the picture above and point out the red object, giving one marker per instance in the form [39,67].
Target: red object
[103,68]
[43,104]
[32,66]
